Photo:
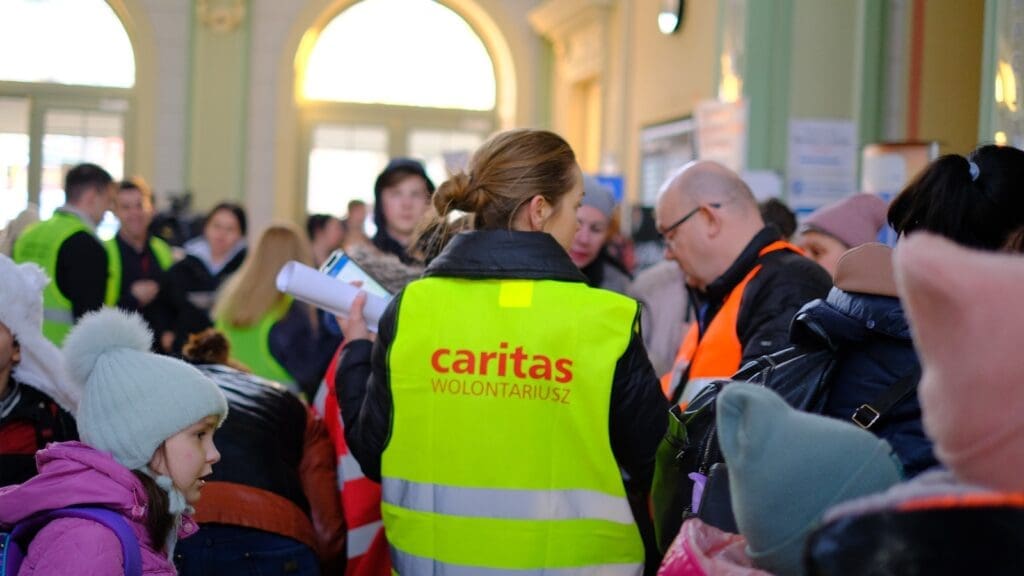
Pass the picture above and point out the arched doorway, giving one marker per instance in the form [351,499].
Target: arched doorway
[60,107]
[364,96]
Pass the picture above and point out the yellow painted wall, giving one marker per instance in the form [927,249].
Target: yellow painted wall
[822,83]
[951,75]
[669,75]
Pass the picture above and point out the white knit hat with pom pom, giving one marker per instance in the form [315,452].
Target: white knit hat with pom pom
[132,399]
[21,311]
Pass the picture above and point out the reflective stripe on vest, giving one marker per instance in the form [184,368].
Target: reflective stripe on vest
[250,345]
[160,249]
[41,244]
[505,503]
[406,563]
[499,459]
[716,354]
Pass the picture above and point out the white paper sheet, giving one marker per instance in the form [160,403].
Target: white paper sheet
[315,288]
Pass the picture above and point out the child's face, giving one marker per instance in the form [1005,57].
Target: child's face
[188,456]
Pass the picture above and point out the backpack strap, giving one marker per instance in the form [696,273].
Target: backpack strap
[871,412]
[130,547]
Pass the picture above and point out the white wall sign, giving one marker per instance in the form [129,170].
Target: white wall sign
[822,165]
[722,133]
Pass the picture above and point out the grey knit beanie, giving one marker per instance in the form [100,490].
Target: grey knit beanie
[132,399]
[598,195]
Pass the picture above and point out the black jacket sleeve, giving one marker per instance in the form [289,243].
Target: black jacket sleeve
[773,298]
[363,388]
[82,273]
[302,349]
[639,414]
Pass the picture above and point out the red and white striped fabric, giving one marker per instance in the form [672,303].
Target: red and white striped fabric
[360,497]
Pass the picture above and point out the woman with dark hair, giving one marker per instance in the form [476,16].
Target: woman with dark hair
[507,407]
[190,286]
[401,197]
[325,233]
[974,201]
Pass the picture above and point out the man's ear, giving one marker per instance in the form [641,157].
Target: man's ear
[714,218]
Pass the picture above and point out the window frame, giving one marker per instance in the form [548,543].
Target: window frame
[399,121]
[43,97]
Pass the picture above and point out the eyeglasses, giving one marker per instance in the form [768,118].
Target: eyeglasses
[664,233]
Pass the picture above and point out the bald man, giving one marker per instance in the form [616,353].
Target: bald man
[745,282]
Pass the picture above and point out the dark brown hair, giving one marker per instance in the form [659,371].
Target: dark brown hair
[974,201]
[210,347]
[137,183]
[159,521]
[508,170]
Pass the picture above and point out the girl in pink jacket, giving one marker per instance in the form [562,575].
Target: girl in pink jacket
[147,424]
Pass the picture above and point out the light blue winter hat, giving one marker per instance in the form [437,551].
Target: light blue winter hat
[132,399]
[786,468]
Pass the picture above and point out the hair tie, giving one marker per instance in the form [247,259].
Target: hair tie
[975,171]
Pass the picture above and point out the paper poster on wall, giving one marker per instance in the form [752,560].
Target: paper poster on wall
[822,165]
[889,166]
[664,148]
[886,167]
[722,133]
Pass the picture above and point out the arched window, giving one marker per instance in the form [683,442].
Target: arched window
[65,88]
[389,78]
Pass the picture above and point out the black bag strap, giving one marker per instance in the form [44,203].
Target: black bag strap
[756,366]
[871,412]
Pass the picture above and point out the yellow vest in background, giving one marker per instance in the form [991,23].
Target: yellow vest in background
[41,244]
[161,250]
[499,456]
[250,345]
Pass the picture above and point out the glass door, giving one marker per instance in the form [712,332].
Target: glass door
[73,136]
[344,161]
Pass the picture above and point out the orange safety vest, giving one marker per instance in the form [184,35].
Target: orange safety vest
[716,355]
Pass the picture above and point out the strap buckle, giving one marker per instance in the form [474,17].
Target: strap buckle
[865,416]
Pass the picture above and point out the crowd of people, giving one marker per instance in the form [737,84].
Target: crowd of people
[776,397]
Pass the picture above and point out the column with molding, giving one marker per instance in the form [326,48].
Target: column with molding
[218,101]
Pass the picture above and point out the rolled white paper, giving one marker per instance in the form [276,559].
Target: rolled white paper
[318,289]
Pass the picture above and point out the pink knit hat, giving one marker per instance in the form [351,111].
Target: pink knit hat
[965,313]
[854,220]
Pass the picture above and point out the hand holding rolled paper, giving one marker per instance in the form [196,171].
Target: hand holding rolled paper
[318,289]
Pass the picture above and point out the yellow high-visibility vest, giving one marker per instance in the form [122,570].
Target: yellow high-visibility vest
[499,456]
[161,251]
[41,244]
[250,345]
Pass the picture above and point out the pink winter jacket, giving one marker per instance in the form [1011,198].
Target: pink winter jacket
[73,474]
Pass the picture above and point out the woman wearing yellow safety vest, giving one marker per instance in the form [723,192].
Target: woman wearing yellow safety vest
[274,336]
[506,406]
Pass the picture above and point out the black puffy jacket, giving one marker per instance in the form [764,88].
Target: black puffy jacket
[872,350]
[265,420]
